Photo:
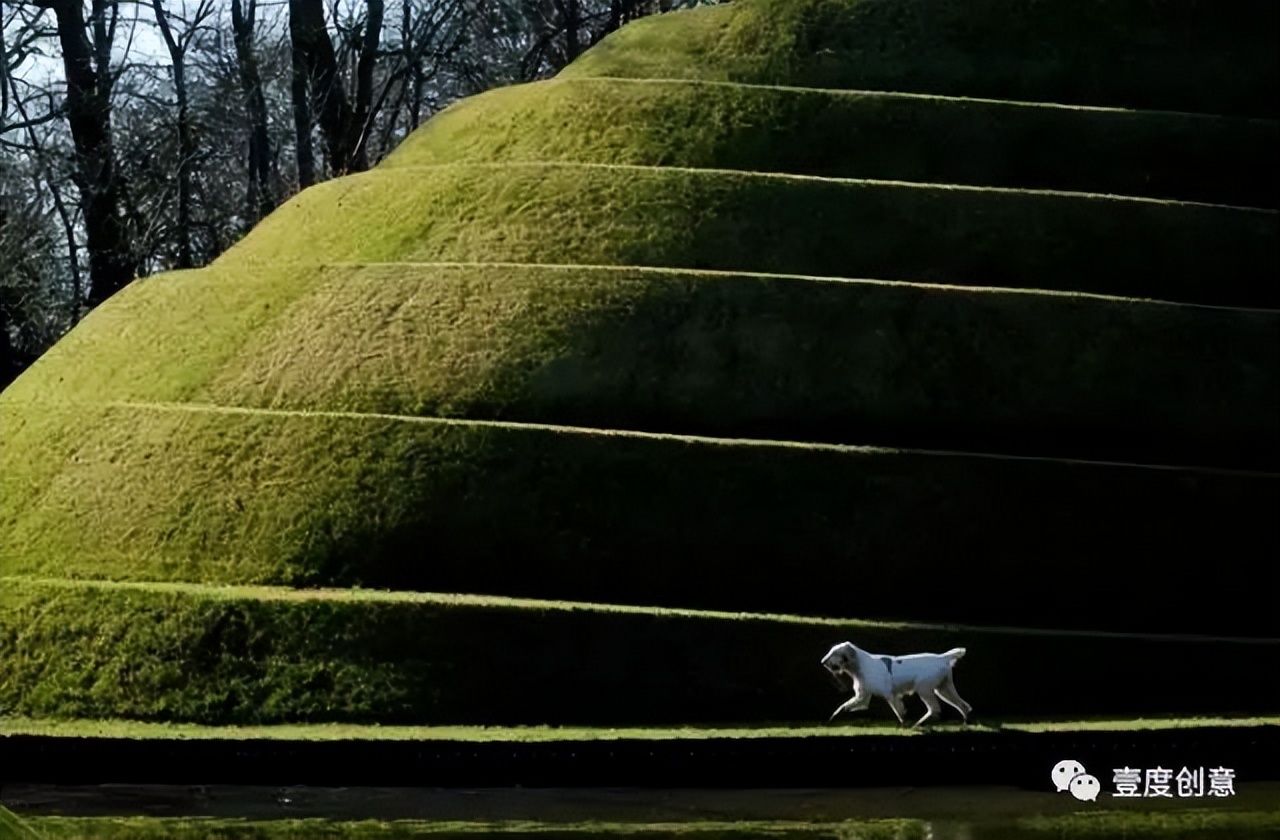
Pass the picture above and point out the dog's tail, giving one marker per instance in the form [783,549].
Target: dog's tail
[954,654]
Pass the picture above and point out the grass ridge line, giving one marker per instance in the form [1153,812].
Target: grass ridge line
[787,176]
[902,94]
[582,430]
[285,593]
[766,275]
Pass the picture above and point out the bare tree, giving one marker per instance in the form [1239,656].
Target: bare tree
[261,199]
[412,62]
[178,44]
[36,307]
[303,116]
[92,194]
[89,80]
[29,138]
[37,303]
[423,71]
[570,15]
[345,127]
[361,120]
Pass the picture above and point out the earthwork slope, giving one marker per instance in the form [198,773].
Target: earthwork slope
[959,314]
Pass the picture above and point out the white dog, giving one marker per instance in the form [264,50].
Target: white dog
[894,677]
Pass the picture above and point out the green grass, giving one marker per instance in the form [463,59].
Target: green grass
[225,495]
[147,730]
[1176,55]
[687,352]
[13,827]
[1202,823]
[951,813]
[697,218]
[359,594]
[896,137]
[206,656]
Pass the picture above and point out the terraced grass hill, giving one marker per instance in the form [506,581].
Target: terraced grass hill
[895,314]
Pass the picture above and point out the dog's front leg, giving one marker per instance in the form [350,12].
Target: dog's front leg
[857,702]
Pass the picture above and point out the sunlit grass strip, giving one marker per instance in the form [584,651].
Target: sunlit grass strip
[785,358]
[80,728]
[743,356]
[425,170]
[697,218]
[657,271]
[564,429]
[856,134]
[854,92]
[1137,55]
[358,594]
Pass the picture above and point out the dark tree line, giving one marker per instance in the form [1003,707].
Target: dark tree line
[139,136]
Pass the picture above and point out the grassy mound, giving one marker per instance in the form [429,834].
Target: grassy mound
[643,277]
[256,496]
[894,137]
[729,356]
[685,218]
[1177,55]
[208,655]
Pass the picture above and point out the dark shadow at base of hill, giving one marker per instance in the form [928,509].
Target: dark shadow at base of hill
[974,805]
[1018,759]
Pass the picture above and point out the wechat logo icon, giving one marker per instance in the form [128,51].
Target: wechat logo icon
[1071,775]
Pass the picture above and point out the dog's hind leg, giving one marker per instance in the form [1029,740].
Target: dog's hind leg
[895,703]
[947,691]
[935,708]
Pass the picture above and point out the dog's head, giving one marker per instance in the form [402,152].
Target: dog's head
[841,663]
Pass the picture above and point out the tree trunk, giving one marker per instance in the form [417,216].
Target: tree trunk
[313,55]
[413,65]
[261,201]
[301,92]
[10,363]
[361,121]
[571,20]
[112,264]
[186,146]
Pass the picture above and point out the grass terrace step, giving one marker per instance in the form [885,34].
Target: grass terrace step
[174,492]
[212,655]
[1177,55]
[768,357]
[856,134]
[734,221]
[260,423]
